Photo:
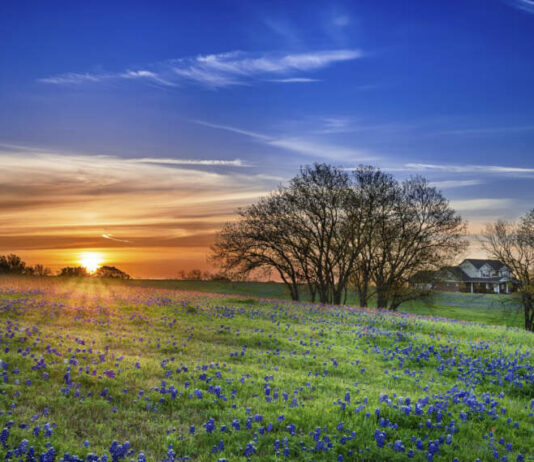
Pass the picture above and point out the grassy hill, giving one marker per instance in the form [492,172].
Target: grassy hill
[502,309]
[95,368]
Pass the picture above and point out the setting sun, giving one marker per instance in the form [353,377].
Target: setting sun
[91,261]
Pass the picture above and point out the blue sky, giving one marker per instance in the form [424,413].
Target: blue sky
[230,98]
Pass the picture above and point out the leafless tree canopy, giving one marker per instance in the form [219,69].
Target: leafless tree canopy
[513,244]
[328,229]
[419,232]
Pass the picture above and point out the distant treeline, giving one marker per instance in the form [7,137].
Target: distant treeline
[13,264]
[102,272]
[199,275]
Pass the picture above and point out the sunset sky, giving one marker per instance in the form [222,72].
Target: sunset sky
[135,129]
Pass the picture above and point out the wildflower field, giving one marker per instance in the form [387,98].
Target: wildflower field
[96,371]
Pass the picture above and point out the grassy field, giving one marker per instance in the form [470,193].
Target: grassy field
[502,310]
[94,370]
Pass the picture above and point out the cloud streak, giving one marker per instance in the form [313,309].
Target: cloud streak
[449,184]
[195,162]
[481,204]
[153,208]
[111,238]
[73,78]
[524,5]
[220,70]
[304,146]
[483,169]
[488,130]
[295,80]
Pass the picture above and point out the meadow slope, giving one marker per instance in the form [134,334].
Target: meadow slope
[96,371]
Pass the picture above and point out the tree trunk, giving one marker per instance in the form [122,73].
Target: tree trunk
[528,307]
[338,293]
[313,291]
[291,285]
[323,294]
[381,299]
[363,296]
[295,291]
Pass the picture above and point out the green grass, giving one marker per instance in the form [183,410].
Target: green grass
[502,310]
[313,353]
[512,317]
[245,288]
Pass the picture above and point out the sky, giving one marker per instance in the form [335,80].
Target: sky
[136,129]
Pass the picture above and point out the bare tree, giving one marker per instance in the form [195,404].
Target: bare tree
[421,233]
[377,193]
[302,232]
[326,229]
[513,244]
[260,241]
[324,223]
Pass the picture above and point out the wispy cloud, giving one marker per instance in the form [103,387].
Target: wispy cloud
[197,162]
[295,80]
[229,128]
[525,5]
[482,205]
[321,150]
[333,125]
[112,238]
[124,201]
[488,130]
[301,145]
[220,70]
[454,168]
[449,184]
[73,78]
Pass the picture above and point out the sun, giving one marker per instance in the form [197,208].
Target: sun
[91,261]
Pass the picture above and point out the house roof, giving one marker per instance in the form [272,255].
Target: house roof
[456,272]
[479,263]
[459,275]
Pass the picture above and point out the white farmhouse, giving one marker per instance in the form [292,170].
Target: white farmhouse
[476,275]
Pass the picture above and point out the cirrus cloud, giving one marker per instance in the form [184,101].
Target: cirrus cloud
[220,70]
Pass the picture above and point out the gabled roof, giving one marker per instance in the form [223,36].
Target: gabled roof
[479,263]
[456,272]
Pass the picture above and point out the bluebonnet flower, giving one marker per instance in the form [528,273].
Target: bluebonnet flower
[249,450]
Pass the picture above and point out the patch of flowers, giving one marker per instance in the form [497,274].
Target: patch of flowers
[185,376]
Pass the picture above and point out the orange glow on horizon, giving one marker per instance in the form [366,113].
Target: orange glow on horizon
[91,261]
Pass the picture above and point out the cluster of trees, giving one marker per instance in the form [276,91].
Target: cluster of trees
[330,230]
[73,271]
[13,264]
[102,272]
[513,244]
[199,275]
